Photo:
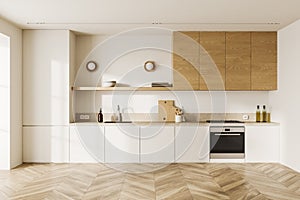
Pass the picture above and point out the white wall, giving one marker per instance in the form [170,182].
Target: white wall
[127,68]
[15,137]
[4,101]
[286,101]
[193,102]
[84,44]
[121,57]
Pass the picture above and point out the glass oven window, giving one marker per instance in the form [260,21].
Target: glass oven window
[227,143]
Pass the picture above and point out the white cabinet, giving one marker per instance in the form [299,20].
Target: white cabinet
[46,144]
[86,143]
[46,77]
[157,144]
[121,143]
[262,143]
[191,143]
[46,68]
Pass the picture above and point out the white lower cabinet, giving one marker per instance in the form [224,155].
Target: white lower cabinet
[122,144]
[157,144]
[86,143]
[262,143]
[46,144]
[191,143]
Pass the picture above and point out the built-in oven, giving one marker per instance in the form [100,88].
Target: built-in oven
[227,142]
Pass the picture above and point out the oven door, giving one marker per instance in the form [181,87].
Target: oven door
[227,142]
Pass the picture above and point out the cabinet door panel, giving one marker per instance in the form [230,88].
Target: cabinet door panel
[238,61]
[86,144]
[264,61]
[262,144]
[244,61]
[46,77]
[157,144]
[186,60]
[121,144]
[46,144]
[191,144]
[212,60]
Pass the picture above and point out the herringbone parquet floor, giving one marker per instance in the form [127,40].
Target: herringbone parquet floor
[174,181]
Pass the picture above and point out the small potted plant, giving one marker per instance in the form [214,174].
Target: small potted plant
[178,115]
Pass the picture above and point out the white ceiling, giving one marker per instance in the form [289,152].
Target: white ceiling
[111,16]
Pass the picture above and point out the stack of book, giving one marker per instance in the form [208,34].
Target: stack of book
[161,84]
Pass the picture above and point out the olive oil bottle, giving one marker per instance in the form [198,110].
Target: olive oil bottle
[258,114]
[264,114]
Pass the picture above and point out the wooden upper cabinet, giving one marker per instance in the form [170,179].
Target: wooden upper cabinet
[212,61]
[264,61]
[238,61]
[186,60]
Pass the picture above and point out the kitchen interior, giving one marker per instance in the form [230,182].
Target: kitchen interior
[198,105]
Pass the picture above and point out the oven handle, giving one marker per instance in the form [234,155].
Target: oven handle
[229,134]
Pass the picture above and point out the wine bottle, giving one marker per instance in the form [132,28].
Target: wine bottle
[100,116]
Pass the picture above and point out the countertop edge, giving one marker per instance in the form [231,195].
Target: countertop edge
[176,124]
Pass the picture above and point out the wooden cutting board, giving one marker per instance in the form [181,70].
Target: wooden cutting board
[166,110]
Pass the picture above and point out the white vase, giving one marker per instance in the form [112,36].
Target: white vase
[178,118]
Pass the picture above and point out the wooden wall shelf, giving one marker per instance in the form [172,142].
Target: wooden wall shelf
[77,88]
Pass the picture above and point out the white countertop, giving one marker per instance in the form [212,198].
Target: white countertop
[262,123]
[144,123]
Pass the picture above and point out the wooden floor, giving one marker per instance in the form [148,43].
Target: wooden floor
[174,181]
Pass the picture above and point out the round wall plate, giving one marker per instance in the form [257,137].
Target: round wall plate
[91,66]
[149,66]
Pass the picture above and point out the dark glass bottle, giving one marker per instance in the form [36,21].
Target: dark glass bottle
[100,116]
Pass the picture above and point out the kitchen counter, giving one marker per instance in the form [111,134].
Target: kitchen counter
[140,123]
[146,123]
[262,123]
